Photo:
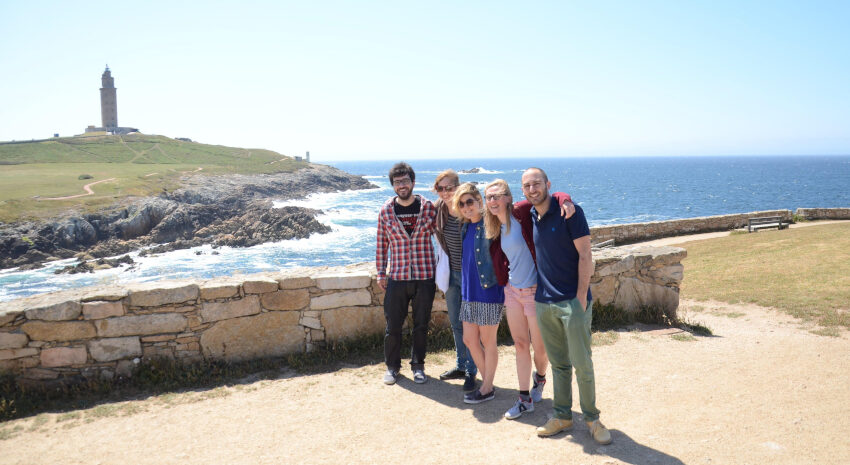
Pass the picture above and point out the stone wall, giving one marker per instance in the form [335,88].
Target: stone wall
[637,232]
[823,213]
[105,331]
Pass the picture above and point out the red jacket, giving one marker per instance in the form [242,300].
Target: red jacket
[522,213]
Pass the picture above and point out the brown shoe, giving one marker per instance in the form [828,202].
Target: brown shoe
[599,432]
[554,426]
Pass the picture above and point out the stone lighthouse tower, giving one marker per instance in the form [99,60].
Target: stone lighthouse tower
[108,101]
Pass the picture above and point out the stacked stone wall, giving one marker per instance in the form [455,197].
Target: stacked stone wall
[823,213]
[105,331]
[638,232]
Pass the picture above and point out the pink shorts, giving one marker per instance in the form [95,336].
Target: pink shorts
[520,299]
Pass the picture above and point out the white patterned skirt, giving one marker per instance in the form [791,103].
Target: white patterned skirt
[481,313]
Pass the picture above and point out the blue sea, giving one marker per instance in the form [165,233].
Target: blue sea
[611,191]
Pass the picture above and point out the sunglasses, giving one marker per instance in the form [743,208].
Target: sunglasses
[446,189]
[494,197]
[469,202]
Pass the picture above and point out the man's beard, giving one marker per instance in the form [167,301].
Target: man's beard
[542,199]
[405,197]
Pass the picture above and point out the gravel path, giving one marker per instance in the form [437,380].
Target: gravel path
[763,389]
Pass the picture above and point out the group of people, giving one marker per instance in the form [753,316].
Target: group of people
[530,259]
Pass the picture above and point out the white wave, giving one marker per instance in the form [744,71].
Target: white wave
[322,200]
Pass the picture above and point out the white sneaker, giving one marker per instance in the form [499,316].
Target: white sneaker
[419,376]
[390,377]
[519,408]
[537,388]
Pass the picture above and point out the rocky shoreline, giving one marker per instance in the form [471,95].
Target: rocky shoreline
[234,210]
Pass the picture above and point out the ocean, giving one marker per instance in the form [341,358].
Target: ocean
[610,190]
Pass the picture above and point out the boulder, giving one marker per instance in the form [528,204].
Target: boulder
[296,282]
[351,322]
[59,331]
[215,311]
[109,349]
[13,340]
[135,325]
[343,281]
[286,300]
[341,299]
[162,293]
[633,294]
[270,334]
[99,310]
[260,286]
[63,356]
[9,354]
[605,290]
[68,310]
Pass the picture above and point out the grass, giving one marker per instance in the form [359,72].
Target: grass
[683,337]
[142,165]
[605,338]
[804,272]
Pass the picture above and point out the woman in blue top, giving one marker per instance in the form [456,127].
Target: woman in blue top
[482,297]
[510,229]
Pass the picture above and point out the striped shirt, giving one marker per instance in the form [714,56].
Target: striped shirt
[451,234]
[410,256]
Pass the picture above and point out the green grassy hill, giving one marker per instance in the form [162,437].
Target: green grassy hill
[32,173]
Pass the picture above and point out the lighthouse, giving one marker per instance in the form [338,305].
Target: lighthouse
[108,101]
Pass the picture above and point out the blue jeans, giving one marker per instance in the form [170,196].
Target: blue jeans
[464,360]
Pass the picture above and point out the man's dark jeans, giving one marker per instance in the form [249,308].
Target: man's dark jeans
[399,295]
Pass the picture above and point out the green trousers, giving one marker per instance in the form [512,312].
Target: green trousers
[566,334]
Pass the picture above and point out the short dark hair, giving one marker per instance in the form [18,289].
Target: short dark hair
[545,178]
[400,169]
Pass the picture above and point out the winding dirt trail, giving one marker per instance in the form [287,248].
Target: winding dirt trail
[762,390]
[86,188]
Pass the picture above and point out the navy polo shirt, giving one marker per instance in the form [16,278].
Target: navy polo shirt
[557,256]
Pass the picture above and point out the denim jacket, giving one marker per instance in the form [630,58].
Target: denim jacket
[483,257]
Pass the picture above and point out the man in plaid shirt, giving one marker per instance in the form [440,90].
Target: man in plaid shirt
[405,225]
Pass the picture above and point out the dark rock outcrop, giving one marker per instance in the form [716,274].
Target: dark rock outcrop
[233,210]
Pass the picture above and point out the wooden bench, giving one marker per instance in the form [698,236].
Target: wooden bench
[754,224]
[603,244]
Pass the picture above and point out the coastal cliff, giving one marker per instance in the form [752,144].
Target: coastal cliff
[232,210]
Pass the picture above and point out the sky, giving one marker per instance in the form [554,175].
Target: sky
[350,80]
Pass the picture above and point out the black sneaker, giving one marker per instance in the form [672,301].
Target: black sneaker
[455,373]
[476,397]
[469,383]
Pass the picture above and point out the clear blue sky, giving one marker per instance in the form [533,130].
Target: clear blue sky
[372,80]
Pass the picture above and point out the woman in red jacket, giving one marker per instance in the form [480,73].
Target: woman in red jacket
[510,229]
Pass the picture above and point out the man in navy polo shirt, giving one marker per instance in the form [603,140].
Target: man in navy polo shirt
[564,304]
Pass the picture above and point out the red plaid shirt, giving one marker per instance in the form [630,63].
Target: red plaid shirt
[411,257]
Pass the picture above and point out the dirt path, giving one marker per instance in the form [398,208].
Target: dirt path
[86,188]
[762,390]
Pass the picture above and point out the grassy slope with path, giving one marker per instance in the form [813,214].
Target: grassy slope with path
[142,165]
[804,272]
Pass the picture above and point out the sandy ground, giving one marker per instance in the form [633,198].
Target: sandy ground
[762,389]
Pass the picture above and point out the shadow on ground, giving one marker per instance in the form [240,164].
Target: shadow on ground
[450,394]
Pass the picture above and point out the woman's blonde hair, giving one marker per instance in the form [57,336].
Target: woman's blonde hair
[492,223]
[451,174]
[466,188]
